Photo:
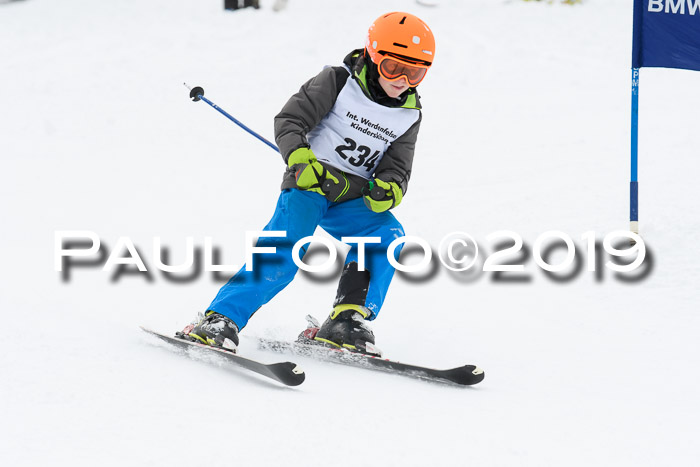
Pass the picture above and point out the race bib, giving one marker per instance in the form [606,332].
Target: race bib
[356,133]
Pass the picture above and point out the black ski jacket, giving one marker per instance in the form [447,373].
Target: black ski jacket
[316,98]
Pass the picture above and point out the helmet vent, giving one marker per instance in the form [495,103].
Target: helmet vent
[402,20]
[400,45]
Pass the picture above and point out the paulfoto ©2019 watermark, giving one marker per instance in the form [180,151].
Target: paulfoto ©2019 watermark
[458,252]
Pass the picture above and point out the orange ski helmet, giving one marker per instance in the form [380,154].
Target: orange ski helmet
[407,40]
[402,35]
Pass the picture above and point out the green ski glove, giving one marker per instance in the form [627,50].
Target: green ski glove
[380,196]
[309,173]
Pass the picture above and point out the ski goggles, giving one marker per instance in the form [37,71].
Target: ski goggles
[393,69]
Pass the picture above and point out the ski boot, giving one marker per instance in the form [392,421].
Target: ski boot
[345,328]
[215,330]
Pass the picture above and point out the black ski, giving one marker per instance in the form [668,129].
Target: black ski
[286,372]
[466,375]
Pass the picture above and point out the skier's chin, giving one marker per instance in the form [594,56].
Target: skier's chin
[393,89]
[396,91]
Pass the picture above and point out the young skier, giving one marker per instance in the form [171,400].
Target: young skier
[348,138]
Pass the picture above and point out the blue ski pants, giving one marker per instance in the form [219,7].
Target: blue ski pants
[299,213]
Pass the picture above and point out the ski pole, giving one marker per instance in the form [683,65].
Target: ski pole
[197,93]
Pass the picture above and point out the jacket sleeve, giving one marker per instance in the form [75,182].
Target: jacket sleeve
[396,164]
[305,109]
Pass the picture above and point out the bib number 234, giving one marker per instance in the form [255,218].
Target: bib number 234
[359,156]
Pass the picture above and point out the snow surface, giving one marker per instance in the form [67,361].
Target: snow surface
[526,128]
